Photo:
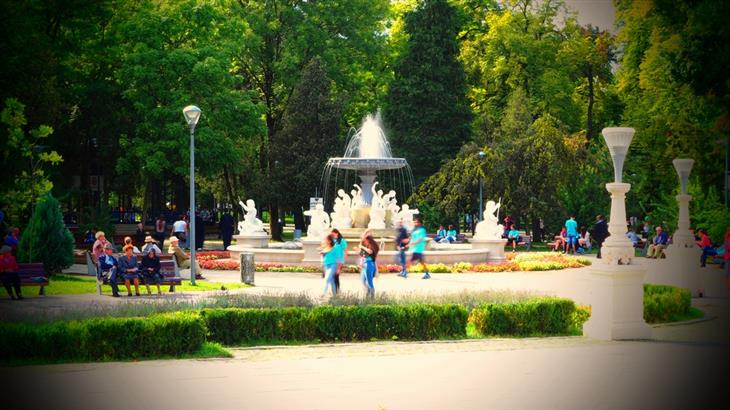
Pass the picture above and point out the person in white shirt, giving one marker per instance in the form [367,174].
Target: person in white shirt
[180,230]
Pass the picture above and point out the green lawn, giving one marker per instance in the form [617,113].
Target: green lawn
[61,284]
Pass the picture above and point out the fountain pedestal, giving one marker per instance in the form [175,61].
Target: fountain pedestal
[251,240]
[311,251]
[493,247]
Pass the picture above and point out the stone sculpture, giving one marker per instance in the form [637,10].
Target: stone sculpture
[377,209]
[406,216]
[250,223]
[489,228]
[341,216]
[319,224]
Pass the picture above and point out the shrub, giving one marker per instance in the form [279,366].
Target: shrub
[661,303]
[537,317]
[167,334]
[46,239]
[336,323]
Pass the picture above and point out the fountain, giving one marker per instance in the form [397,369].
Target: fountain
[251,233]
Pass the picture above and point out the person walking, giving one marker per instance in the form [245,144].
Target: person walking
[341,248]
[418,246]
[571,230]
[160,231]
[600,233]
[401,244]
[368,255]
[179,230]
[226,226]
[329,263]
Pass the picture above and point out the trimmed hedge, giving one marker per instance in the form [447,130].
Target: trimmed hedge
[235,326]
[662,302]
[167,334]
[537,317]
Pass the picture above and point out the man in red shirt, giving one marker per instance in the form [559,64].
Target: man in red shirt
[705,243]
[9,273]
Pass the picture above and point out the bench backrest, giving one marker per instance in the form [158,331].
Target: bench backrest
[168,268]
[31,269]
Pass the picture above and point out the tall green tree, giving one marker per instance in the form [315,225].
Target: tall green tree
[46,238]
[426,109]
[25,157]
[281,37]
[310,135]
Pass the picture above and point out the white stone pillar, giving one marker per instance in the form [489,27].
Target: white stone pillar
[617,285]
[617,249]
[682,236]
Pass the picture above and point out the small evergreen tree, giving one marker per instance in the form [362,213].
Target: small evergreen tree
[46,239]
[426,110]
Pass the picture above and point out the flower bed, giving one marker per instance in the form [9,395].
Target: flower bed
[522,262]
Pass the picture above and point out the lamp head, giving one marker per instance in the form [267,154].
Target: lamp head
[618,140]
[192,115]
[684,168]
[481,154]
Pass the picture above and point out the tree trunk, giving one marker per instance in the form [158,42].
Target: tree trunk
[274,226]
[591,97]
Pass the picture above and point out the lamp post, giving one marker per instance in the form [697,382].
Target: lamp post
[617,295]
[192,115]
[618,248]
[480,214]
[682,237]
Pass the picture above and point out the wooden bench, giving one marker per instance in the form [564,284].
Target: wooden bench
[33,274]
[460,237]
[168,269]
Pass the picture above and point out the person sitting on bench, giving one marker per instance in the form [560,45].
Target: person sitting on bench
[656,249]
[451,234]
[151,270]
[130,272]
[9,272]
[182,259]
[440,235]
[108,263]
[513,237]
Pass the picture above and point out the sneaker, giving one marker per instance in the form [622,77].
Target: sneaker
[129,294]
[115,295]
[136,294]
[426,276]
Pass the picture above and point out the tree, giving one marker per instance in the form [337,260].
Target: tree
[46,238]
[426,110]
[310,135]
[23,156]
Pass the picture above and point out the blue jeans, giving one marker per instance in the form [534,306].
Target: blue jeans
[402,259]
[707,251]
[366,276]
[329,273]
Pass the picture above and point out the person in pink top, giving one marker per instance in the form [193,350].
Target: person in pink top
[9,273]
[98,249]
[726,258]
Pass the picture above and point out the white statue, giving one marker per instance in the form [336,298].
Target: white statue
[489,228]
[319,225]
[341,216]
[357,201]
[377,209]
[250,223]
[406,216]
[392,206]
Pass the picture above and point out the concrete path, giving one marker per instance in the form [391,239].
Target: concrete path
[553,373]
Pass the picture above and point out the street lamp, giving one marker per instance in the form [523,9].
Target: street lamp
[481,155]
[683,238]
[192,115]
[618,247]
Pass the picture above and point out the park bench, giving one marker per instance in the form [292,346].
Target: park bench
[168,269]
[33,274]
[460,237]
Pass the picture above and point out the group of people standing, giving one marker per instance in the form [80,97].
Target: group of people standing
[334,252]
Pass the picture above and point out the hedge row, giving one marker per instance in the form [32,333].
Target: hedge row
[662,302]
[167,334]
[235,326]
[537,317]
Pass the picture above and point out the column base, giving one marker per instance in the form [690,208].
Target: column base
[617,303]
[494,247]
